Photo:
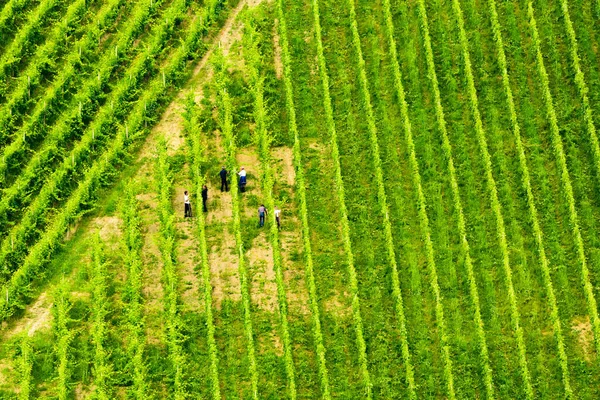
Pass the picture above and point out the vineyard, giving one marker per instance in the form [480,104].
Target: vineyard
[436,164]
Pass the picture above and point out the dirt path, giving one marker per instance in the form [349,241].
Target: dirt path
[171,127]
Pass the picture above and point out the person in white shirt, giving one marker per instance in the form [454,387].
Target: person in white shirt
[242,175]
[187,206]
[277,214]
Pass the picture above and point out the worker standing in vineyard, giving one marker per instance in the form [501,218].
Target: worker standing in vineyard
[223,175]
[187,206]
[242,175]
[262,211]
[204,198]
[277,217]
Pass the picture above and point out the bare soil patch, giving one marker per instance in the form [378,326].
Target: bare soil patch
[147,200]
[223,262]
[151,256]
[186,252]
[38,317]
[317,145]
[109,229]
[277,51]
[263,289]
[585,337]
[82,392]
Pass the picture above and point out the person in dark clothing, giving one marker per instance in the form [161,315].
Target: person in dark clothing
[204,197]
[223,175]
[187,206]
[262,211]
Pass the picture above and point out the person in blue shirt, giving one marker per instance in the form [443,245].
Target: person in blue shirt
[262,211]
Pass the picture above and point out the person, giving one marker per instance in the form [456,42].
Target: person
[242,175]
[262,211]
[277,215]
[204,197]
[187,206]
[223,175]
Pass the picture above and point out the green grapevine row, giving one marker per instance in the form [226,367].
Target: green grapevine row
[193,133]
[172,318]
[268,181]
[100,308]
[301,193]
[82,151]
[331,129]
[382,198]
[152,100]
[464,243]
[24,367]
[87,45]
[23,40]
[7,15]
[62,336]
[496,207]
[55,41]
[231,150]
[84,105]
[565,179]
[581,84]
[135,307]
[526,182]
[447,149]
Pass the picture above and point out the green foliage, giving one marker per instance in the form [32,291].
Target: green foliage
[70,125]
[301,193]
[441,121]
[135,308]
[254,62]
[103,369]
[193,132]
[526,181]
[152,99]
[101,126]
[341,198]
[565,179]
[63,337]
[172,319]
[412,286]
[495,203]
[381,194]
[23,40]
[53,44]
[581,84]
[9,10]
[52,100]
[24,367]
